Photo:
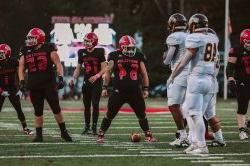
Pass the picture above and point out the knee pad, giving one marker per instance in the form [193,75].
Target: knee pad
[214,123]
[38,113]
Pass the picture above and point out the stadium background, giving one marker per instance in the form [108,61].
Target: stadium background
[148,17]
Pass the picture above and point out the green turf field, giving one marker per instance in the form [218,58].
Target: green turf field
[17,149]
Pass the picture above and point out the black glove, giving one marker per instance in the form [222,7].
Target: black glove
[22,86]
[60,83]
[232,86]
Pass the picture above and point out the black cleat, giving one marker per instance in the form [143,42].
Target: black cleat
[27,131]
[65,135]
[87,131]
[94,132]
[38,139]
[218,143]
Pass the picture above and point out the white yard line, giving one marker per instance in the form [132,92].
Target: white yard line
[230,164]
[161,152]
[217,161]
[127,127]
[197,158]
[151,149]
[87,156]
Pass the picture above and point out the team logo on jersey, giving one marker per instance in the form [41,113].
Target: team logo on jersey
[120,56]
[83,54]
[29,51]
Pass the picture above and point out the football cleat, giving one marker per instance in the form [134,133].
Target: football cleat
[180,143]
[198,150]
[87,131]
[100,138]
[217,143]
[94,132]
[38,139]
[27,131]
[149,137]
[191,148]
[243,135]
[65,135]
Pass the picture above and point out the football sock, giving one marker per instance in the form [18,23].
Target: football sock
[218,135]
[144,124]
[24,125]
[190,123]
[87,118]
[62,126]
[39,132]
[199,130]
[95,116]
[183,134]
[105,124]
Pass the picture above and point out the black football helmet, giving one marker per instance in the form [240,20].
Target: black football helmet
[196,22]
[177,22]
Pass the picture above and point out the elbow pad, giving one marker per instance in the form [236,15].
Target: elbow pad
[230,69]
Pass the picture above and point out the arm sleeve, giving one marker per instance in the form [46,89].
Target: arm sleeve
[231,66]
[173,40]
[102,57]
[79,60]
[110,57]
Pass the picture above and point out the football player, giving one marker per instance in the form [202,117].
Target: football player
[127,64]
[177,25]
[8,88]
[210,117]
[94,63]
[39,59]
[238,73]
[201,52]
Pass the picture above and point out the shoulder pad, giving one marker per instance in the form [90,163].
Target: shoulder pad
[193,41]
[173,39]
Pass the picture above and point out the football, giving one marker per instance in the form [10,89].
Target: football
[135,137]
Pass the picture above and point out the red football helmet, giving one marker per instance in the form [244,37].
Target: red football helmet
[127,45]
[90,40]
[245,38]
[35,36]
[5,51]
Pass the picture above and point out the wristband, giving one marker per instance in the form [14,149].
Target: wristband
[145,88]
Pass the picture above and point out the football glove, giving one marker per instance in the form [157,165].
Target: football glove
[19,94]
[60,83]
[22,86]
[232,85]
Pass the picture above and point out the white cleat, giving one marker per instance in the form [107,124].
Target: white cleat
[191,148]
[199,151]
[175,142]
[243,135]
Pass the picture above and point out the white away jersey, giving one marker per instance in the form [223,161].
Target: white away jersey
[205,60]
[178,39]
